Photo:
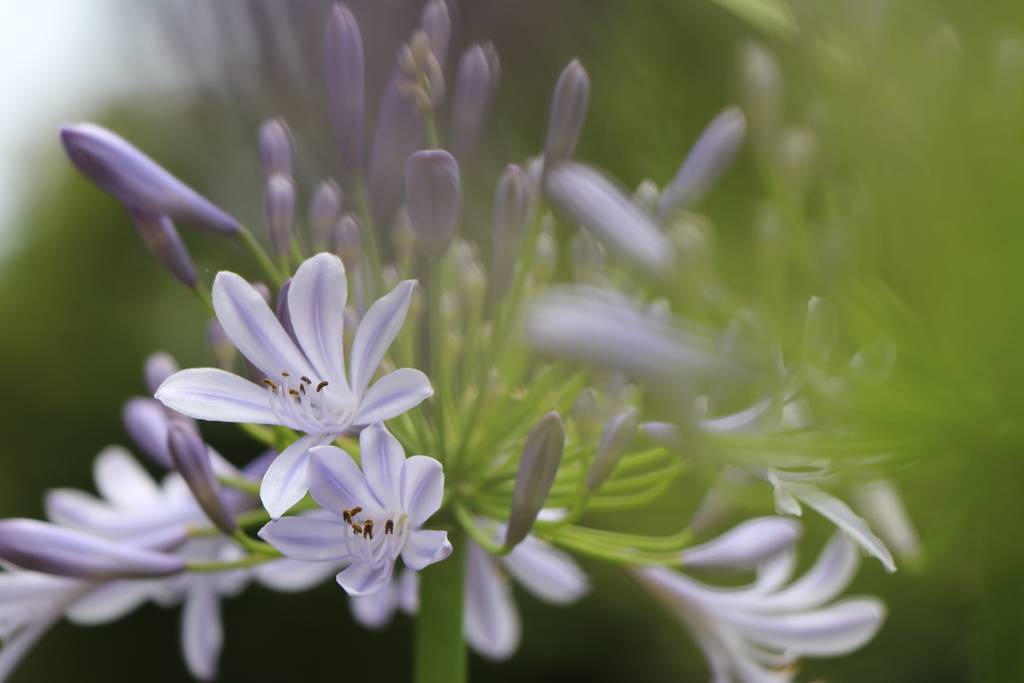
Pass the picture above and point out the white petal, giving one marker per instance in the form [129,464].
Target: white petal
[830,575]
[377,330]
[307,538]
[409,591]
[286,480]
[361,579]
[15,649]
[381,457]
[375,611]
[490,622]
[316,302]
[392,395]
[337,484]
[217,396]
[776,571]
[254,329]
[835,630]
[202,634]
[423,548]
[109,601]
[550,574]
[122,480]
[294,576]
[744,546]
[422,488]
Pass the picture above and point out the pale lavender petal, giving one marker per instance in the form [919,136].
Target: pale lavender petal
[381,457]
[316,303]
[337,484]
[377,330]
[745,546]
[422,488]
[146,421]
[829,576]
[307,538]
[490,622]
[549,573]
[109,602]
[202,634]
[835,630]
[254,329]
[409,591]
[295,576]
[217,396]
[425,547]
[375,611]
[287,480]
[122,481]
[15,649]
[361,579]
[392,395]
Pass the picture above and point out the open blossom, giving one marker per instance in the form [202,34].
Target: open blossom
[755,633]
[305,388]
[377,512]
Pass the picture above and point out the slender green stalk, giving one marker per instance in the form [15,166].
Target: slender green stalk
[440,650]
[371,247]
[437,364]
[204,296]
[261,256]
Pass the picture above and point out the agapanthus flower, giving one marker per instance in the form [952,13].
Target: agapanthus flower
[377,512]
[305,387]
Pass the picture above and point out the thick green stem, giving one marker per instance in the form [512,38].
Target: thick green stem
[440,649]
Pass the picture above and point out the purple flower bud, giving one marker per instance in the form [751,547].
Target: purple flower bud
[587,197]
[616,438]
[538,465]
[348,239]
[280,213]
[324,208]
[282,311]
[344,72]
[433,198]
[476,85]
[42,547]
[399,134]
[159,366]
[277,148]
[192,460]
[221,347]
[513,208]
[118,168]
[568,112]
[160,235]
[146,422]
[707,161]
[437,25]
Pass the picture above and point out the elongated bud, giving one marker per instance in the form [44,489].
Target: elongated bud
[538,465]
[280,213]
[159,366]
[545,259]
[476,85]
[348,240]
[616,438]
[277,148]
[586,411]
[744,547]
[707,161]
[513,208]
[795,156]
[821,331]
[433,199]
[192,460]
[568,112]
[761,92]
[399,134]
[160,235]
[437,25]
[118,168]
[146,421]
[221,347]
[345,74]
[587,197]
[324,208]
[647,197]
[51,549]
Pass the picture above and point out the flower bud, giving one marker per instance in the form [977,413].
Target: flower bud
[744,547]
[545,259]
[587,197]
[51,549]
[761,92]
[159,366]
[345,74]
[586,412]
[277,148]
[707,161]
[513,206]
[538,465]
[647,196]
[399,134]
[116,167]
[437,25]
[568,112]
[221,347]
[146,421]
[160,235]
[433,199]
[324,208]
[795,155]
[348,240]
[280,213]
[616,438]
[821,331]
[191,458]
[476,85]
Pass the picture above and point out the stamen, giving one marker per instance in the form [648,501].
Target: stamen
[321,386]
[355,511]
[346,515]
[356,529]
[302,388]
[389,527]
[285,374]
[293,392]
[368,529]
[271,383]
[305,379]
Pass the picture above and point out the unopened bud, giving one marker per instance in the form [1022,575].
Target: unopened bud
[344,72]
[795,157]
[821,331]
[191,458]
[399,134]
[433,199]
[280,213]
[221,347]
[146,421]
[513,206]
[616,438]
[744,547]
[568,112]
[437,26]
[476,85]
[586,412]
[162,238]
[159,366]
[545,259]
[646,197]
[277,149]
[538,465]
[348,240]
[324,208]
[761,92]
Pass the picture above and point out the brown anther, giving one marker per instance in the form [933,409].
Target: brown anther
[321,386]
[346,515]
[356,529]
[293,392]
[285,374]
[368,529]
[389,527]
[271,383]
[305,379]
[355,511]
[302,388]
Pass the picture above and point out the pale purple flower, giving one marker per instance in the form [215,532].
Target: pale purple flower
[755,633]
[376,512]
[305,386]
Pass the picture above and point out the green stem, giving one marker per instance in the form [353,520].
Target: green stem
[369,234]
[204,295]
[440,650]
[254,248]
[437,369]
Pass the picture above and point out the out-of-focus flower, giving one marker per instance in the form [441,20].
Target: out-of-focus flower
[476,86]
[433,198]
[344,72]
[538,465]
[568,112]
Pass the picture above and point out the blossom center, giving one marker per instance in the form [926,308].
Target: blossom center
[377,544]
[303,405]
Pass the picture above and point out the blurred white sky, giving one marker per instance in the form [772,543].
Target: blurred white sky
[60,60]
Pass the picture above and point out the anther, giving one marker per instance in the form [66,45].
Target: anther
[389,527]
[356,529]
[321,386]
[346,515]
[285,374]
[293,392]
[302,388]
[305,379]
[368,529]
[355,511]
[271,383]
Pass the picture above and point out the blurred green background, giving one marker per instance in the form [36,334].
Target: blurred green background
[918,110]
